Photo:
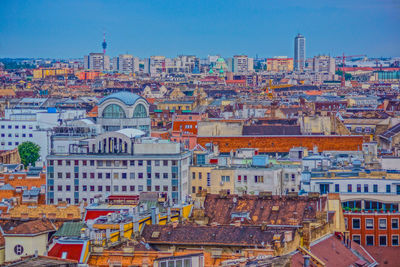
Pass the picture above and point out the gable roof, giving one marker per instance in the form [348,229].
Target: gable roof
[389,133]
[30,228]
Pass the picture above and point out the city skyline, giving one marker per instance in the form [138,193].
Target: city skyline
[72,29]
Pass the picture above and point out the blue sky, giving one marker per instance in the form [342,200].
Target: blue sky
[70,29]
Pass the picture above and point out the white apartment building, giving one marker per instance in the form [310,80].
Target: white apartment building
[116,163]
[126,64]
[242,64]
[96,61]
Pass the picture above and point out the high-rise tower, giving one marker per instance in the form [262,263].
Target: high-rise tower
[299,52]
[104,44]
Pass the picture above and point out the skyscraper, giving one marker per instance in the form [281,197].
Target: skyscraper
[299,52]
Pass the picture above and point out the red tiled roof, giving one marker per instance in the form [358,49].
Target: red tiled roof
[28,228]
[333,252]
[385,256]
[74,251]
[94,214]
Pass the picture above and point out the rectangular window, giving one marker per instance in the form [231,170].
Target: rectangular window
[174,162]
[395,223]
[388,188]
[132,188]
[356,238]
[200,176]
[193,189]
[157,163]
[157,188]
[395,240]
[68,188]
[59,175]
[225,178]
[116,175]
[100,188]
[165,162]
[108,188]
[140,162]
[59,188]
[124,175]
[239,178]
[356,224]
[124,163]
[100,175]
[84,162]
[149,175]
[366,188]
[165,175]
[92,188]
[116,188]
[68,163]
[382,240]
[149,163]
[337,188]
[124,188]
[140,175]
[140,188]
[349,188]
[369,239]
[375,188]
[259,179]
[132,163]
[132,175]
[165,188]
[68,175]
[157,175]
[76,175]
[369,223]
[76,162]
[84,188]
[99,163]
[358,188]
[108,163]
[84,175]
[208,179]
[108,175]
[149,188]
[92,175]
[59,162]
[174,175]
[92,163]
[245,178]
[382,224]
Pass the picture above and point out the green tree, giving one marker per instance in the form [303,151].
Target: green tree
[29,153]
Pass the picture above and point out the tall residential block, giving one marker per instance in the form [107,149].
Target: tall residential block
[299,52]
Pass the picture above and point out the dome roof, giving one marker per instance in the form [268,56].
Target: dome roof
[127,98]
[131,133]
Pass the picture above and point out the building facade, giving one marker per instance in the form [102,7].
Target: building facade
[299,52]
[118,163]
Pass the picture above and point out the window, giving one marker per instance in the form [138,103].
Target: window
[245,178]
[375,188]
[124,175]
[76,162]
[132,175]
[92,163]
[165,162]
[193,189]
[349,188]
[165,175]
[84,162]
[293,177]
[358,188]
[140,188]
[369,239]
[68,188]
[100,188]
[59,162]
[388,188]
[59,175]
[116,188]
[157,175]
[84,188]
[132,163]
[149,188]
[356,223]
[346,226]
[59,188]
[395,240]
[18,250]
[149,175]
[108,175]
[259,179]
[208,179]
[92,188]
[356,238]
[140,162]
[124,163]
[108,188]
[76,175]
[358,129]
[369,223]
[239,178]
[132,188]
[165,188]
[140,111]
[382,240]
[382,224]
[100,163]
[193,175]
[92,175]
[124,188]
[113,111]
[225,178]
[100,175]
[366,188]
[200,188]
[200,176]
[157,163]
[337,188]
[174,163]
[108,163]
[84,175]
[68,175]
[395,223]
[174,175]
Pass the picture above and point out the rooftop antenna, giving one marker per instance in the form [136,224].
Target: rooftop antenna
[104,44]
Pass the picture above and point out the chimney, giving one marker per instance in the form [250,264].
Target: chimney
[169,214]
[306,235]
[153,215]
[306,261]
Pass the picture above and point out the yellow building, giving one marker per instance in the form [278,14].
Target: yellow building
[177,105]
[26,238]
[47,72]
[280,64]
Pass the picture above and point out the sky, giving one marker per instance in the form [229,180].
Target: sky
[263,28]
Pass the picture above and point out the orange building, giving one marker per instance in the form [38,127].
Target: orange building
[279,64]
[272,144]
